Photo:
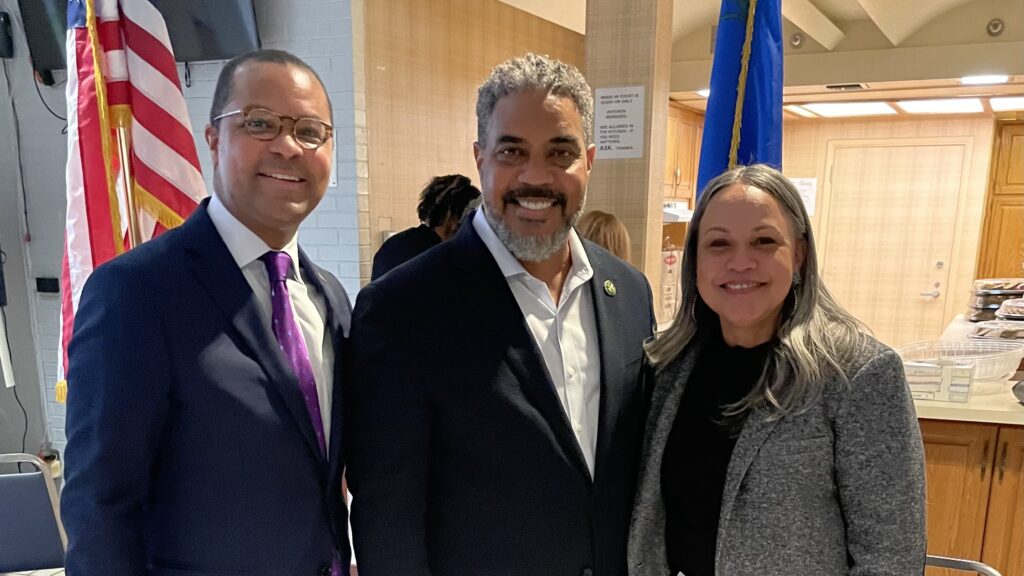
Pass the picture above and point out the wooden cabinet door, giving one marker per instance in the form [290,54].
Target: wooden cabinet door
[1002,231]
[696,163]
[1004,530]
[1009,176]
[671,154]
[958,468]
[689,124]
[1002,245]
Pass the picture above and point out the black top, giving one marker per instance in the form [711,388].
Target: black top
[402,247]
[699,448]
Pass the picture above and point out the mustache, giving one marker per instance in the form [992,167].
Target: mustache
[534,192]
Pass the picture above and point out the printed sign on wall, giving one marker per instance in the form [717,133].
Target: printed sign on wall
[619,122]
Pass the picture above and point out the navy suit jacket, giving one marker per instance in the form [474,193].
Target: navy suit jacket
[190,450]
[461,459]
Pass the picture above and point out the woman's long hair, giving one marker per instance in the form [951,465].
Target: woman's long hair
[815,334]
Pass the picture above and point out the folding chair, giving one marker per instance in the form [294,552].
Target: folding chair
[961,564]
[31,534]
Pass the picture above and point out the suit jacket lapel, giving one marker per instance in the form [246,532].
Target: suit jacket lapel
[609,314]
[336,322]
[756,430]
[498,312]
[216,270]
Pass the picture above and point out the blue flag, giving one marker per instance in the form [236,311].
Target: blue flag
[758,82]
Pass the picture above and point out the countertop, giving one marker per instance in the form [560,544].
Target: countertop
[1000,408]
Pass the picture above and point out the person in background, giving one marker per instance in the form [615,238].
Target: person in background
[782,437]
[605,230]
[443,204]
[204,387]
[497,408]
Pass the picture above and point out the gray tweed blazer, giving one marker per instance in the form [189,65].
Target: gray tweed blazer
[835,490]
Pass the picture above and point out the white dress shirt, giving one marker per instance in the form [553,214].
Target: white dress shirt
[308,305]
[565,333]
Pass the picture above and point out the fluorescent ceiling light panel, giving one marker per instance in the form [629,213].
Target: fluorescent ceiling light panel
[985,79]
[1006,104]
[945,106]
[842,109]
[704,93]
[800,111]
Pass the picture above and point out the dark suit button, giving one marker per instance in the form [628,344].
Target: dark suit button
[587,572]
[325,570]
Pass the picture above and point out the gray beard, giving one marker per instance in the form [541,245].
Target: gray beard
[531,248]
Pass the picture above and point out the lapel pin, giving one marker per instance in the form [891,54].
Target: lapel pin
[609,288]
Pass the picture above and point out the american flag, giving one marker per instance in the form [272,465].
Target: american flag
[125,106]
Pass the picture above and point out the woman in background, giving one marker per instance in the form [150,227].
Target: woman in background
[606,231]
[782,438]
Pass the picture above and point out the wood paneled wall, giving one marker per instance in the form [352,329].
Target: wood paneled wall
[805,155]
[424,62]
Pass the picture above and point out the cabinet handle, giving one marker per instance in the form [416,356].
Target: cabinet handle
[676,175]
[984,459]
[1002,460]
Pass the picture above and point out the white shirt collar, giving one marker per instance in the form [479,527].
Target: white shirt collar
[245,246]
[508,263]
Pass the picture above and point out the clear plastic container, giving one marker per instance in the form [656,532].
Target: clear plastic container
[994,361]
[1011,308]
[990,300]
[998,285]
[998,329]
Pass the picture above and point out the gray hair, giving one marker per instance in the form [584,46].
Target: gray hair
[533,72]
[815,336]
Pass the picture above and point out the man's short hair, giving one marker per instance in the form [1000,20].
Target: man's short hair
[446,197]
[226,79]
[533,72]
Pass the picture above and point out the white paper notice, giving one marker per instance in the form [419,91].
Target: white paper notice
[808,189]
[619,122]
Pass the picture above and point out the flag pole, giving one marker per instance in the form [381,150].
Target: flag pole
[124,140]
[741,87]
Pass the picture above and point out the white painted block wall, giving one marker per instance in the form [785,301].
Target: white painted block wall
[318,31]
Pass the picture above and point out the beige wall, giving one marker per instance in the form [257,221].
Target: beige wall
[804,155]
[424,62]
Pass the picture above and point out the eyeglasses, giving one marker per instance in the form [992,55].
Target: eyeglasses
[262,124]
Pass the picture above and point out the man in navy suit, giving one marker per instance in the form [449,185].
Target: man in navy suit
[204,406]
[496,412]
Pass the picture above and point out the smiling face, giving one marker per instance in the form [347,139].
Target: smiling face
[747,253]
[270,186]
[534,169]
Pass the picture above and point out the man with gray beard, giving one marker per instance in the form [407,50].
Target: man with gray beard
[497,401]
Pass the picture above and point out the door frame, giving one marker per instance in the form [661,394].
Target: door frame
[967,142]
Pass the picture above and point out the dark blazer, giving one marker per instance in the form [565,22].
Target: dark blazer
[403,247]
[190,450]
[462,461]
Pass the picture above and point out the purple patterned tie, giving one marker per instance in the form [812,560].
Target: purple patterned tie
[289,336]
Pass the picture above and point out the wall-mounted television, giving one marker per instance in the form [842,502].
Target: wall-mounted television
[45,29]
[199,29]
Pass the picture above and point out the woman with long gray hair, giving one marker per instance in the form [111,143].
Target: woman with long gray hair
[782,437]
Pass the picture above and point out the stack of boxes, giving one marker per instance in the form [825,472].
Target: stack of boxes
[939,381]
